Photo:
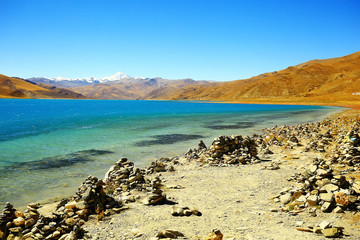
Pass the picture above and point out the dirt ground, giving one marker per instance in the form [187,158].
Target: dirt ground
[235,200]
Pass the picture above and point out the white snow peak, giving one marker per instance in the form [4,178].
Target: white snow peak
[116,76]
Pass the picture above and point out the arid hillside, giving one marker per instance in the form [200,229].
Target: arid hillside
[331,81]
[11,87]
[147,88]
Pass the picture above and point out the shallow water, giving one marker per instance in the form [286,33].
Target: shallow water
[48,147]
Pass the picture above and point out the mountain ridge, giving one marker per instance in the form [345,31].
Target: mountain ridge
[14,87]
[334,81]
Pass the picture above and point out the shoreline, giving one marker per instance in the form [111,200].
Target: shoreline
[207,124]
[46,205]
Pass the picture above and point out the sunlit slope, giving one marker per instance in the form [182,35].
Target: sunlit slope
[11,87]
[335,80]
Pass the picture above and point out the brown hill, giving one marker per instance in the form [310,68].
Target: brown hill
[334,81]
[11,87]
[139,88]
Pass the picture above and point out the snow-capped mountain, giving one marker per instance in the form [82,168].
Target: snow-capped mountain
[115,77]
[78,82]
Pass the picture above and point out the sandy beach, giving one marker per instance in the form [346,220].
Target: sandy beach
[238,186]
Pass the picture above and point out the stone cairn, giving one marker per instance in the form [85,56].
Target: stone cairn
[32,226]
[320,186]
[65,223]
[124,177]
[226,150]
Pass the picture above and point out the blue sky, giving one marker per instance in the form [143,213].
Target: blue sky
[200,39]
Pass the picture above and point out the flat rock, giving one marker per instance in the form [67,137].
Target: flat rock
[324,224]
[327,197]
[284,199]
[331,232]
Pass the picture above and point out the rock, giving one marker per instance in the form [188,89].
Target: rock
[338,210]
[299,223]
[331,232]
[70,221]
[330,188]
[172,234]
[326,207]
[19,214]
[317,230]
[19,221]
[324,224]
[195,211]
[312,200]
[303,229]
[81,205]
[313,168]
[29,222]
[136,233]
[342,198]
[327,197]
[215,235]
[70,205]
[284,199]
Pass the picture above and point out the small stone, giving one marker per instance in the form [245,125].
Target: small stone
[338,210]
[303,229]
[195,211]
[19,221]
[331,232]
[342,198]
[29,222]
[317,230]
[327,197]
[70,205]
[215,235]
[326,207]
[70,222]
[330,188]
[169,234]
[81,205]
[19,214]
[136,233]
[324,224]
[284,199]
[313,168]
[299,223]
[312,200]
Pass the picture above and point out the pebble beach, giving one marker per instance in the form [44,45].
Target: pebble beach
[288,182]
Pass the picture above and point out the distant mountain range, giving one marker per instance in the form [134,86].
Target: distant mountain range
[334,81]
[78,82]
[120,86]
[12,87]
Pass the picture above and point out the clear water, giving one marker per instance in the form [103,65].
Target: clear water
[48,147]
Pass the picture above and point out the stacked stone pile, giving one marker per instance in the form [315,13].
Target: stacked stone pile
[226,150]
[347,154]
[162,165]
[322,186]
[33,226]
[89,199]
[124,176]
[65,223]
[156,195]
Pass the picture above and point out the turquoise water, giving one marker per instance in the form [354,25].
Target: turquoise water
[47,147]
